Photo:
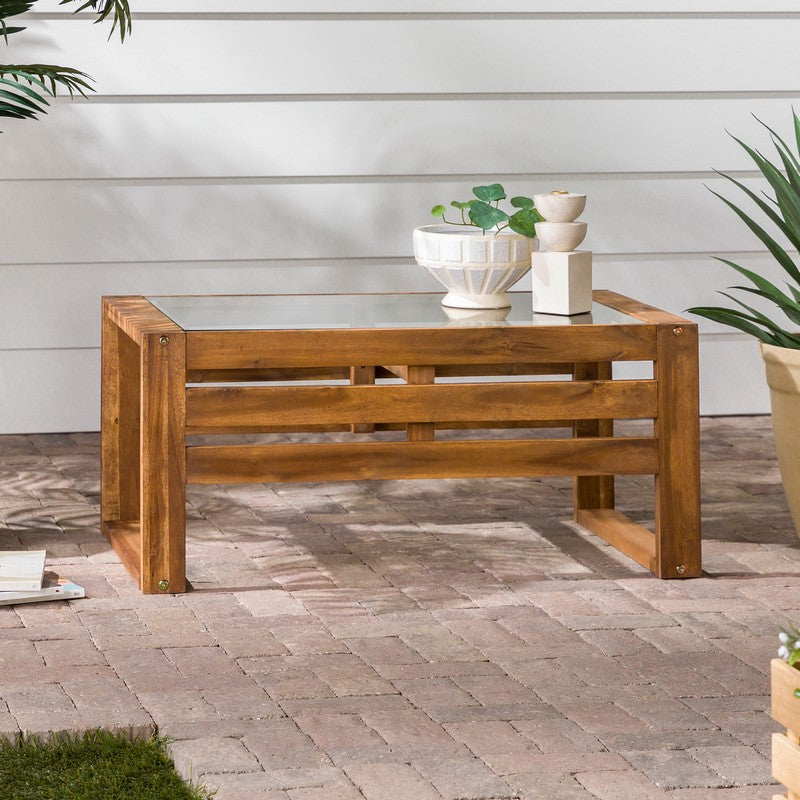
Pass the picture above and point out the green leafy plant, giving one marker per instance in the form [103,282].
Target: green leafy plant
[484,211]
[789,650]
[782,209]
[24,88]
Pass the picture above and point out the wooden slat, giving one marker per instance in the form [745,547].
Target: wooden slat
[786,763]
[278,374]
[362,376]
[135,315]
[418,375]
[637,309]
[596,491]
[785,706]
[407,460]
[126,540]
[247,406]
[628,537]
[119,448]
[163,503]
[392,426]
[315,348]
[677,428]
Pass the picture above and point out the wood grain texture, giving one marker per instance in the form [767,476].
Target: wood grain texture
[248,406]
[305,348]
[785,706]
[361,376]
[407,460]
[786,763]
[598,491]
[163,470]
[677,428]
[628,537]
[637,309]
[126,541]
[418,375]
[446,425]
[119,433]
[136,316]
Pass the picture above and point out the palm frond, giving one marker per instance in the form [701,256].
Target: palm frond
[24,88]
[118,10]
[12,8]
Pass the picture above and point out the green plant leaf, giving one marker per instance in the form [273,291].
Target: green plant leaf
[734,319]
[121,20]
[767,290]
[438,211]
[786,197]
[464,205]
[780,255]
[521,202]
[485,216]
[791,234]
[490,194]
[523,222]
[784,337]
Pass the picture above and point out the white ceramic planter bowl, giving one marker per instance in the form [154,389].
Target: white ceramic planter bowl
[561,237]
[476,269]
[560,207]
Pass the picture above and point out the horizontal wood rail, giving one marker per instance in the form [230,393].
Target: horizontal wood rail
[630,538]
[407,460]
[213,350]
[248,406]
[126,541]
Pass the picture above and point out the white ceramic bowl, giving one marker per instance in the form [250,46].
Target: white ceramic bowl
[475,268]
[556,207]
[561,237]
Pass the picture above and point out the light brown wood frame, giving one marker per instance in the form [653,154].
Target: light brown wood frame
[148,409]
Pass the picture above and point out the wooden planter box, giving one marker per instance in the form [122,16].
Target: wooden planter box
[786,711]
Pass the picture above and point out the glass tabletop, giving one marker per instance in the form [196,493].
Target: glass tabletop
[318,311]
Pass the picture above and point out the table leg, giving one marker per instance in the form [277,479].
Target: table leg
[420,431]
[593,492]
[360,376]
[677,429]
[119,436]
[163,462]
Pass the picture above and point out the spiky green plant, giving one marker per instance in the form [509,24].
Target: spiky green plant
[783,211]
[24,88]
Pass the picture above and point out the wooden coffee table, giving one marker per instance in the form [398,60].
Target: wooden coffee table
[159,351]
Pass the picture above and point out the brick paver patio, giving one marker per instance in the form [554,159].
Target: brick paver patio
[412,641]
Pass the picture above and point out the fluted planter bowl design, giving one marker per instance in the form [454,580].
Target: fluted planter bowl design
[476,269]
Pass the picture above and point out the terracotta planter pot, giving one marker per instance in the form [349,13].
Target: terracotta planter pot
[786,711]
[783,376]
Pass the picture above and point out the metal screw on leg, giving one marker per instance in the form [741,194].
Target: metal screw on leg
[164,583]
[164,341]
[677,330]
[680,569]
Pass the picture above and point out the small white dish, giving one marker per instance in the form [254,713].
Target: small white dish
[561,237]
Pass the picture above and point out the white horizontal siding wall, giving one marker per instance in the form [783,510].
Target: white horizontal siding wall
[292,145]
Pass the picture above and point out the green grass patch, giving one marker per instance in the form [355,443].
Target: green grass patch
[95,766]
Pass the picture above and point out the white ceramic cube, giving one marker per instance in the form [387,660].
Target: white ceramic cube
[560,206]
[561,237]
[562,282]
